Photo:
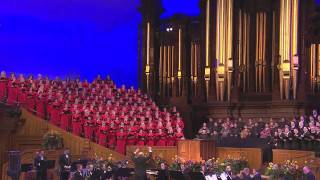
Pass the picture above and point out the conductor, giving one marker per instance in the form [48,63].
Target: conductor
[140,161]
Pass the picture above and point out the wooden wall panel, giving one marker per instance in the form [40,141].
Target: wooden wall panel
[281,155]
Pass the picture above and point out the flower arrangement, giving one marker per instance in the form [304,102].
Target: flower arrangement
[289,170]
[158,160]
[52,140]
[212,165]
[176,164]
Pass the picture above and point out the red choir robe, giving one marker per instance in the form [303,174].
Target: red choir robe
[161,139]
[178,136]
[88,128]
[141,138]
[40,105]
[131,138]
[171,139]
[3,88]
[103,134]
[55,114]
[98,124]
[65,119]
[121,142]
[12,93]
[112,137]
[30,101]
[150,139]
[76,124]
[22,96]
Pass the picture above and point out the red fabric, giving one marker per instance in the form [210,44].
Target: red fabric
[3,88]
[103,135]
[150,139]
[40,107]
[161,139]
[30,101]
[55,115]
[121,142]
[65,120]
[171,140]
[12,95]
[141,139]
[111,138]
[76,125]
[88,129]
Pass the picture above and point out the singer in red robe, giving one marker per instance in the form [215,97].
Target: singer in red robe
[103,134]
[121,141]
[30,101]
[141,138]
[150,138]
[40,105]
[88,127]
[12,92]
[76,123]
[3,86]
[65,118]
[171,139]
[162,138]
[131,138]
[55,113]
[112,136]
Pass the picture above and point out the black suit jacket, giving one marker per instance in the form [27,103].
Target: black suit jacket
[141,164]
[64,161]
[309,176]
[78,176]
[38,163]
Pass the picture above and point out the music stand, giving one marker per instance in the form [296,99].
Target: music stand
[177,175]
[26,167]
[197,175]
[124,172]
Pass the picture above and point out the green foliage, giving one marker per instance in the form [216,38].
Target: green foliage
[52,140]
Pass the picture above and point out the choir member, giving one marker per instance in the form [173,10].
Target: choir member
[131,138]
[141,137]
[3,85]
[76,123]
[65,118]
[88,127]
[112,136]
[150,138]
[161,138]
[203,132]
[103,133]
[121,141]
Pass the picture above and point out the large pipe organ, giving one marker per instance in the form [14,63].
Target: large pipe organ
[237,58]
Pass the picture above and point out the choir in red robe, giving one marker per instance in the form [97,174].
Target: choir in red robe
[113,117]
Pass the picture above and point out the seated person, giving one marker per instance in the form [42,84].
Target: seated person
[203,132]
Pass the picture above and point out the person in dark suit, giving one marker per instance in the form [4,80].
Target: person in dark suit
[41,168]
[307,174]
[65,165]
[140,161]
[163,173]
[78,174]
[256,175]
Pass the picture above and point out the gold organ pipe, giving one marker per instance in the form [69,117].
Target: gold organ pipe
[192,60]
[160,69]
[318,58]
[172,62]
[169,62]
[148,43]
[196,55]
[207,32]
[180,48]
